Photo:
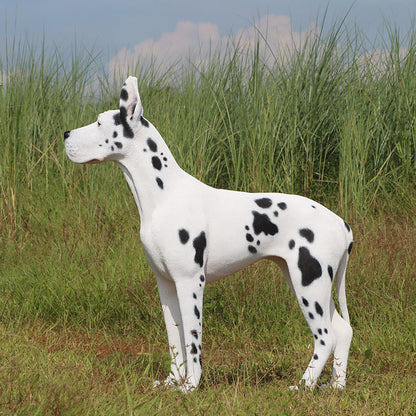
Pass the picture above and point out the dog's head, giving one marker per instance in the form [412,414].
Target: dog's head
[111,135]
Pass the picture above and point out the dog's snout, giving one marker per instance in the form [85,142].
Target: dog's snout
[66,134]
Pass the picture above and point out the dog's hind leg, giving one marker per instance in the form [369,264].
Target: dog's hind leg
[314,300]
[343,335]
[342,329]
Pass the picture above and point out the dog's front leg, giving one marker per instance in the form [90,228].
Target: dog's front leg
[190,293]
[173,322]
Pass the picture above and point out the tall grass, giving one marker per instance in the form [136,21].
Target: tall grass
[321,122]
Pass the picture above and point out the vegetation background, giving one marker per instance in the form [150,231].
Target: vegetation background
[81,329]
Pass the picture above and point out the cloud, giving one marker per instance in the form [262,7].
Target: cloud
[273,34]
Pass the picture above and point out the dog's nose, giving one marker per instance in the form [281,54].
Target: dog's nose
[66,134]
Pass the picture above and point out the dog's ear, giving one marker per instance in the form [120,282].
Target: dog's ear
[130,104]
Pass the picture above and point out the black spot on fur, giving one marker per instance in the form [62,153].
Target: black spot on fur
[127,130]
[196,312]
[322,342]
[124,95]
[152,145]
[330,272]
[276,214]
[115,134]
[202,278]
[116,118]
[350,248]
[308,234]
[315,356]
[264,202]
[282,205]
[311,315]
[144,122]
[319,309]
[183,236]
[262,224]
[194,333]
[247,227]
[252,249]
[200,243]
[194,295]
[249,238]
[159,182]
[118,144]
[320,331]
[194,350]
[326,331]
[112,148]
[305,302]
[347,226]
[291,244]
[309,266]
[157,164]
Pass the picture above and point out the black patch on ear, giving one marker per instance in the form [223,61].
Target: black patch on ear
[200,243]
[309,266]
[262,224]
[157,164]
[308,234]
[144,122]
[124,95]
[183,236]
[127,130]
[152,145]
[264,202]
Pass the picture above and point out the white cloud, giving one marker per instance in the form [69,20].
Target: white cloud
[195,41]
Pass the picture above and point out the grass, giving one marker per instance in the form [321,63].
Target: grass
[81,328]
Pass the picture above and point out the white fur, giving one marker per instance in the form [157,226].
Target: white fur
[193,234]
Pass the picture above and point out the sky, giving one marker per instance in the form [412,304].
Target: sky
[122,29]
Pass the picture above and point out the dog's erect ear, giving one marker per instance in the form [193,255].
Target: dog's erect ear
[130,104]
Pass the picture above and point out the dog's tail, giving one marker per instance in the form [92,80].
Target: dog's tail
[341,272]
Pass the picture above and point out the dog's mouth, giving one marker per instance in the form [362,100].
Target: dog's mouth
[94,161]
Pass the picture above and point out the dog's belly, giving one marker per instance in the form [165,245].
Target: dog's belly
[219,266]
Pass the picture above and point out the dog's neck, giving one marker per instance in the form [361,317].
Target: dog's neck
[151,171]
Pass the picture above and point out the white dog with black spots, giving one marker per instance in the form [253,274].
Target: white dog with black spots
[194,234]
